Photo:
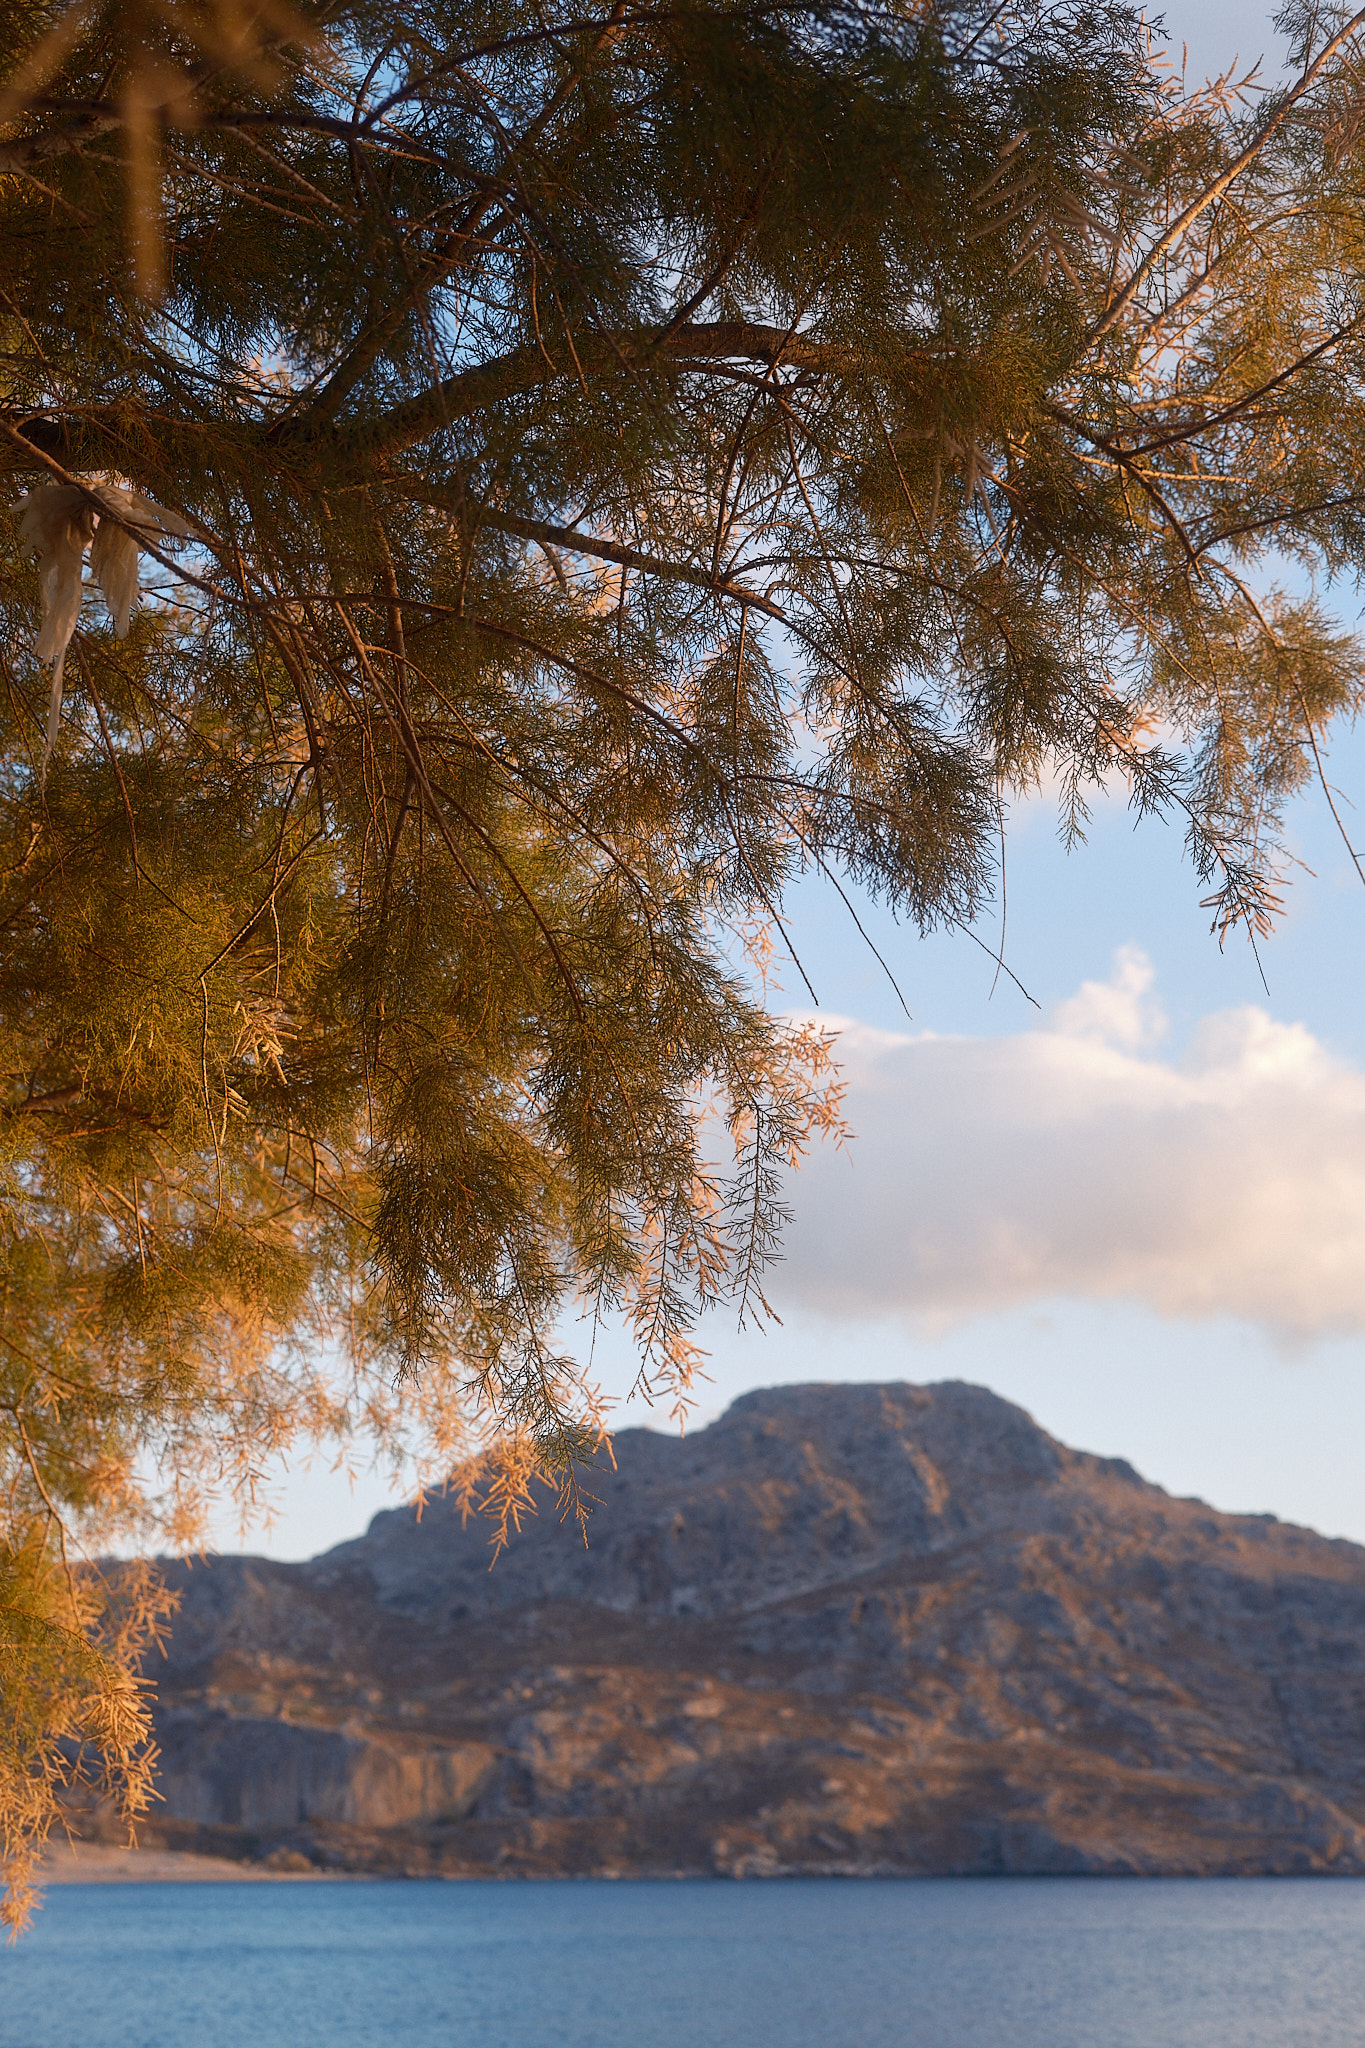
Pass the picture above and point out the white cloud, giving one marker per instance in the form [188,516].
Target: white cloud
[1073,1161]
[1120,1011]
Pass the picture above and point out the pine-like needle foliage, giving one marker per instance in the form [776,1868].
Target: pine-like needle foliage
[607,456]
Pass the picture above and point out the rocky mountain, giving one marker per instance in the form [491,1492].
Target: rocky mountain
[874,1629]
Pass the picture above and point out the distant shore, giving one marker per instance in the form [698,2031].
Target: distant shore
[99,1863]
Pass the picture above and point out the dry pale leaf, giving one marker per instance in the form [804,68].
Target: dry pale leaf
[57,522]
[113,555]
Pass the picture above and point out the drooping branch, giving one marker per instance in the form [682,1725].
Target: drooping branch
[577,542]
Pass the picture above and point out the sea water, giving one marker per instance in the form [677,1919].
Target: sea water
[994,1963]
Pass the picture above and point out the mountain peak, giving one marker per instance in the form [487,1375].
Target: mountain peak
[842,1628]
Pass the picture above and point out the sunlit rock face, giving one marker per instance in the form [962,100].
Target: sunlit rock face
[845,1629]
[257,1772]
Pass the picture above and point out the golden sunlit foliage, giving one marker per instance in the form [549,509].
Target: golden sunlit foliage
[587,464]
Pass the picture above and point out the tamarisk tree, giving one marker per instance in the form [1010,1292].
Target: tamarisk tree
[552,471]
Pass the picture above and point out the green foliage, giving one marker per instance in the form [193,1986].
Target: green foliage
[633,453]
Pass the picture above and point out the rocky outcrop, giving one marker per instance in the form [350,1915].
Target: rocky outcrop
[845,1629]
[263,1772]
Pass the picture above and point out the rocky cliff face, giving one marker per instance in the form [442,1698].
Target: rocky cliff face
[845,1629]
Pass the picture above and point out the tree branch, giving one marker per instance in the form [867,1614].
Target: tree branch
[1119,305]
[487,384]
[571,539]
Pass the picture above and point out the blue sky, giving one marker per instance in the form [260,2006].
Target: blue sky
[1139,1209]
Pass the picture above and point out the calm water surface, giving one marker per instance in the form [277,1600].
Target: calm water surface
[1016,1963]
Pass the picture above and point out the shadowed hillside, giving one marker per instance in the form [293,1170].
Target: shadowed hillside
[860,1629]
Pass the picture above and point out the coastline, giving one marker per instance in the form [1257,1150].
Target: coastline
[105,1863]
